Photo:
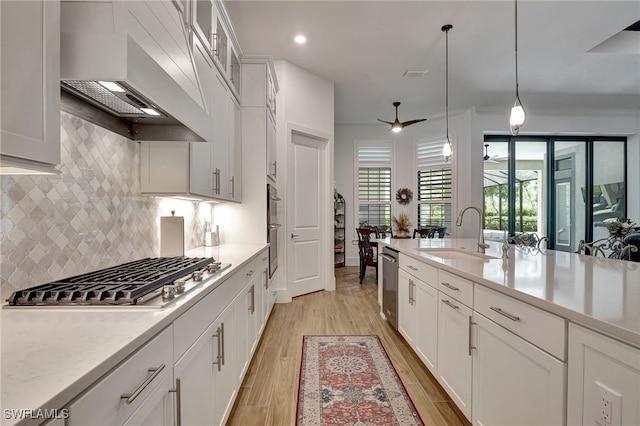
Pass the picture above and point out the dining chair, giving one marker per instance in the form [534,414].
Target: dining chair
[368,250]
[631,247]
[425,232]
[382,231]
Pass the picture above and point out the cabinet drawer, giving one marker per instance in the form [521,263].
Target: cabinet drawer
[545,330]
[457,287]
[420,270]
[136,377]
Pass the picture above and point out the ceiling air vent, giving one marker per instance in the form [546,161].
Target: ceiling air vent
[415,73]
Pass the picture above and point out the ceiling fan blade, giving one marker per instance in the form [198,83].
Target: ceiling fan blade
[410,122]
[388,122]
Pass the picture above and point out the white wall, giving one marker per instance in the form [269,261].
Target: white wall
[305,103]
[404,169]
[468,130]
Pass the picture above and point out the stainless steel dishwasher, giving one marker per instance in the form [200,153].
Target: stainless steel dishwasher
[390,285]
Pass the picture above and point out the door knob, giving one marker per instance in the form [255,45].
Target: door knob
[294,235]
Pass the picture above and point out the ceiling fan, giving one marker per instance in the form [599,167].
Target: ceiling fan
[397,126]
[489,158]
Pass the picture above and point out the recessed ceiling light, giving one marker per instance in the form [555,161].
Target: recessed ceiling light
[300,39]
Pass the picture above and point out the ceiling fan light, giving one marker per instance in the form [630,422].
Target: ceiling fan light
[396,127]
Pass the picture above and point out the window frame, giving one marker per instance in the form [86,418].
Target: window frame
[368,143]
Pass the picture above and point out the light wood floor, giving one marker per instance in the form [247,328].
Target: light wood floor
[269,392]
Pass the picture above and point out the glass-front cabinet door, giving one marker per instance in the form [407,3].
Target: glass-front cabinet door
[202,21]
[220,45]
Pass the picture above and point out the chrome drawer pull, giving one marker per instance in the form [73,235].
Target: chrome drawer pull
[218,357]
[446,302]
[412,267]
[178,402]
[505,314]
[130,397]
[471,347]
[454,288]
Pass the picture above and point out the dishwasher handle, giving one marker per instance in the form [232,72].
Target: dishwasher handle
[388,258]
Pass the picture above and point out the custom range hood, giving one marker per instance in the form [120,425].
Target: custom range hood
[112,76]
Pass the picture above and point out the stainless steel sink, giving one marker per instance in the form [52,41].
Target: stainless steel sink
[455,254]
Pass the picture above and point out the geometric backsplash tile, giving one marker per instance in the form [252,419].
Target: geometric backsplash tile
[88,217]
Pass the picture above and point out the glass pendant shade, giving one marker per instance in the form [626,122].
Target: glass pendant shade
[518,117]
[446,150]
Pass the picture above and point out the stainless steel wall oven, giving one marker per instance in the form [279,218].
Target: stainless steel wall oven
[272,227]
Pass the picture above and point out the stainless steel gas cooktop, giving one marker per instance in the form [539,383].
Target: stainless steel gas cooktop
[151,282]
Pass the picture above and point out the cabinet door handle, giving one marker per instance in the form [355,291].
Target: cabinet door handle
[233,186]
[410,291]
[222,333]
[178,402]
[413,294]
[130,397]
[252,307]
[266,278]
[454,288]
[294,235]
[275,168]
[446,302]
[218,361]
[471,323]
[505,314]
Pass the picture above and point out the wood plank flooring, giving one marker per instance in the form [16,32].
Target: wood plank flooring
[268,394]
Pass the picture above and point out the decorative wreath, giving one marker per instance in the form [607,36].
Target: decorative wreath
[404,196]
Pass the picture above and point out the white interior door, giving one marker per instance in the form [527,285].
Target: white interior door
[306,206]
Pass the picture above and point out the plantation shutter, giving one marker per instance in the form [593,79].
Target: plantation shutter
[434,185]
[374,161]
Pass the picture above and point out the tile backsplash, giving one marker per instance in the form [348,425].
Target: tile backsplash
[88,217]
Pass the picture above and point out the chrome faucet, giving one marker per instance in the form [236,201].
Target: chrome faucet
[481,245]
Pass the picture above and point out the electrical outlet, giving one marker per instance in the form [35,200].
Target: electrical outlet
[608,406]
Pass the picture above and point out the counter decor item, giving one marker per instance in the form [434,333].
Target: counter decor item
[351,380]
[404,196]
[619,227]
[402,225]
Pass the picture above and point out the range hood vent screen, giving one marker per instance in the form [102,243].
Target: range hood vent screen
[95,93]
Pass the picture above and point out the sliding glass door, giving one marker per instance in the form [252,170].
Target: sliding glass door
[562,188]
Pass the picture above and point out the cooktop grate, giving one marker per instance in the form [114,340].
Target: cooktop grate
[118,285]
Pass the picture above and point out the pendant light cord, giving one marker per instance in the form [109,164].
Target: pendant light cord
[516,49]
[446,36]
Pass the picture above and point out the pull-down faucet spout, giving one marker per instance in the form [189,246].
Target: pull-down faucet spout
[481,245]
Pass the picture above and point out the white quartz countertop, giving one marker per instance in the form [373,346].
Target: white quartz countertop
[49,355]
[602,294]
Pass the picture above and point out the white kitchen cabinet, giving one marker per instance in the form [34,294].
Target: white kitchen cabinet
[158,409]
[259,89]
[248,318]
[194,373]
[426,333]
[454,351]
[514,382]
[600,366]
[30,86]
[129,388]
[225,381]
[406,307]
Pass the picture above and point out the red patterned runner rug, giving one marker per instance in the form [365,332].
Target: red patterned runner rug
[349,380]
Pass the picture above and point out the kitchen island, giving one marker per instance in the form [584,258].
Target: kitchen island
[51,355]
[541,337]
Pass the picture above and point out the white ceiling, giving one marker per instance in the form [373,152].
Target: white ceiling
[364,47]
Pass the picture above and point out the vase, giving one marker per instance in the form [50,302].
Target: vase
[402,234]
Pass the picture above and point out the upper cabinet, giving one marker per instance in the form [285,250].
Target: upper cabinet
[30,86]
[259,89]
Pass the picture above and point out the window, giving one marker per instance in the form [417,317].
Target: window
[434,185]
[374,160]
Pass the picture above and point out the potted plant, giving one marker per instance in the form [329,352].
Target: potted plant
[401,225]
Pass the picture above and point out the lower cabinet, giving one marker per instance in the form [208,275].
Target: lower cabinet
[406,307]
[600,366]
[190,372]
[426,340]
[138,387]
[514,382]
[454,351]
[158,409]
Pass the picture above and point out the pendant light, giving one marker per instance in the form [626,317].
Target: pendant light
[518,114]
[447,149]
